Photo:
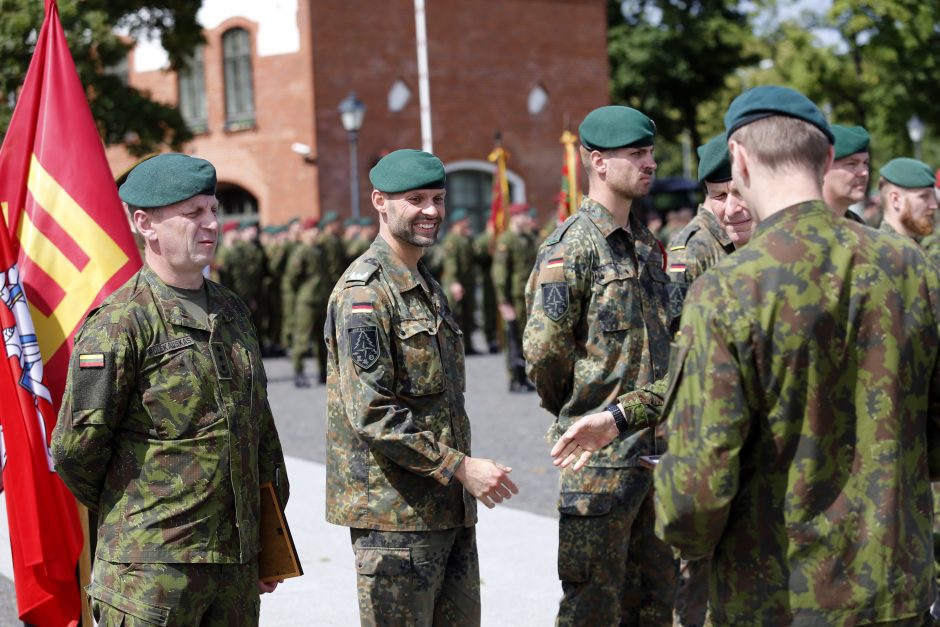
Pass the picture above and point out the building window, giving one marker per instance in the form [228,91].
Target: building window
[235,201]
[239,97]
[472,190]
[192,91]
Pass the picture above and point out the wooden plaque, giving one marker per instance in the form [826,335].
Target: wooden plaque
[278,559]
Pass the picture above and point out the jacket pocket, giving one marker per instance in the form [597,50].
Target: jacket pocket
[421,367]
[614,287]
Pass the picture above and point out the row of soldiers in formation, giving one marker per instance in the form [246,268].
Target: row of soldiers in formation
[285,274]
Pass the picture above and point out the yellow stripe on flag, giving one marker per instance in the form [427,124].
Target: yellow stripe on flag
[80,288]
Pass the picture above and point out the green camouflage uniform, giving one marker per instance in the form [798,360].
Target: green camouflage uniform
[356,247]
[333,264]
[459,268]
[698,246]
[484,261]
[597,329]
[397,431]
[277,266]
[306,278]
[513,260]
[804,425]
[166,432]
[288,295]
[247,266]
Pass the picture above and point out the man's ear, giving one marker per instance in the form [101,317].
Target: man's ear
[379,201]
[598,163]
[739,161]
[143,222]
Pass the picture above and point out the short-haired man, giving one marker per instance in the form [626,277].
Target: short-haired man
[846,182]
[165,429]
[399,471]
[597,329]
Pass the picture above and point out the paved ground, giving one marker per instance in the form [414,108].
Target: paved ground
[517,541]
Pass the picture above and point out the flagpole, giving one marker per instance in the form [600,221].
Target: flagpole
[84,563]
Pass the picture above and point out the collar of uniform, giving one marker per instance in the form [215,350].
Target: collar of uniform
[714,227]
[394,268]
[792,214]
[887,228]
[601,217]
[170,306]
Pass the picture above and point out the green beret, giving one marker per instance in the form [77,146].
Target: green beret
[366,221]
[714,161]
[167,179]
[248,223]
[612,127]
[348,222]
[770,100]
[407,169]
[328,218]
[459,214]
[905,172]
[849,140]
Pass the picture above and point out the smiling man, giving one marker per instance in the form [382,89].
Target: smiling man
[399,471]
[597,329]
[165,429]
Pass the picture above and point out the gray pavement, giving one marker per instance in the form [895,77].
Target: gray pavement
[517,540]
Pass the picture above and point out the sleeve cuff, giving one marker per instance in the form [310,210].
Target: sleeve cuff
[452,458]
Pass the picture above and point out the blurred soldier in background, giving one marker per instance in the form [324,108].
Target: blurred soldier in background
[304,279]
[457,275]
[846,182]
[483,254]
[513,259]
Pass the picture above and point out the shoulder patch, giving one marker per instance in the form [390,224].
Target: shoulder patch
[364,345]
[555,300]
[559,233]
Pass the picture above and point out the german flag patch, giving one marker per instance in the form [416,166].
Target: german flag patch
[677,267]
[362,308]
[557,262]
[91,360]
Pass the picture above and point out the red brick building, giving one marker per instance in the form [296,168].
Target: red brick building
[272,77]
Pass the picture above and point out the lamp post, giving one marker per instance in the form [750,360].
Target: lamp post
[915,130]
[351,112]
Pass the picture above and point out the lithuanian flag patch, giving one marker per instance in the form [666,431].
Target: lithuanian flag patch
[557,262]
[91,360]
[362,308]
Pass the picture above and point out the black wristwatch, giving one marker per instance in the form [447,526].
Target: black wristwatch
[619,419]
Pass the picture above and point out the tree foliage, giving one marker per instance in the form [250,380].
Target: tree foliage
[125,115]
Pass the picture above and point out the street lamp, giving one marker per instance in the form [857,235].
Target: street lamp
[351,112]
[915,130]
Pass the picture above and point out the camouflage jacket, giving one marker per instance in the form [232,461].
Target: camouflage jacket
[458,261]
[692,251]
[804,424]
[305,273]
[334,263]
[165,428]
[512,264]
[247,267]
[597,322]
[397,428]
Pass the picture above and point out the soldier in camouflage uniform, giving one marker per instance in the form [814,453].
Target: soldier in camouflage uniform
[846,182]
[295,229]
[597,328]
[908,199]
[513,259]
[483,254]
[165,429]
[333,263]
[247,266]
[305,280]
[706,240]
[457,275]
[399,471]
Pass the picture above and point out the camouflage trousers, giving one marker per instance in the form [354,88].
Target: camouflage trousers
[417,578]
[308,327]
[692,592]
[175,595]
[613,568]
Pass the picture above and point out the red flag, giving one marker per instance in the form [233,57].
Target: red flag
[65,245]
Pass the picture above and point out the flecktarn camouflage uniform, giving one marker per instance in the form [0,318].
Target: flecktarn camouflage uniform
[165,430]
[698,246]
[804,426]
[397,431]
[597,329]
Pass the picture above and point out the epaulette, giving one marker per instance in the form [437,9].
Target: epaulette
[555,237]
[681,240]
[360,273]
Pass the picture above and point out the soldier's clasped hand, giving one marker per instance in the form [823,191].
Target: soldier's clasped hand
[487,480]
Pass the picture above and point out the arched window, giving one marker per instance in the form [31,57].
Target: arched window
[236,201]
[470,186]
[239,96]
[192,91]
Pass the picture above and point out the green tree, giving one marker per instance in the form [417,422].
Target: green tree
[125,115]
[669,57]
[869,62]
